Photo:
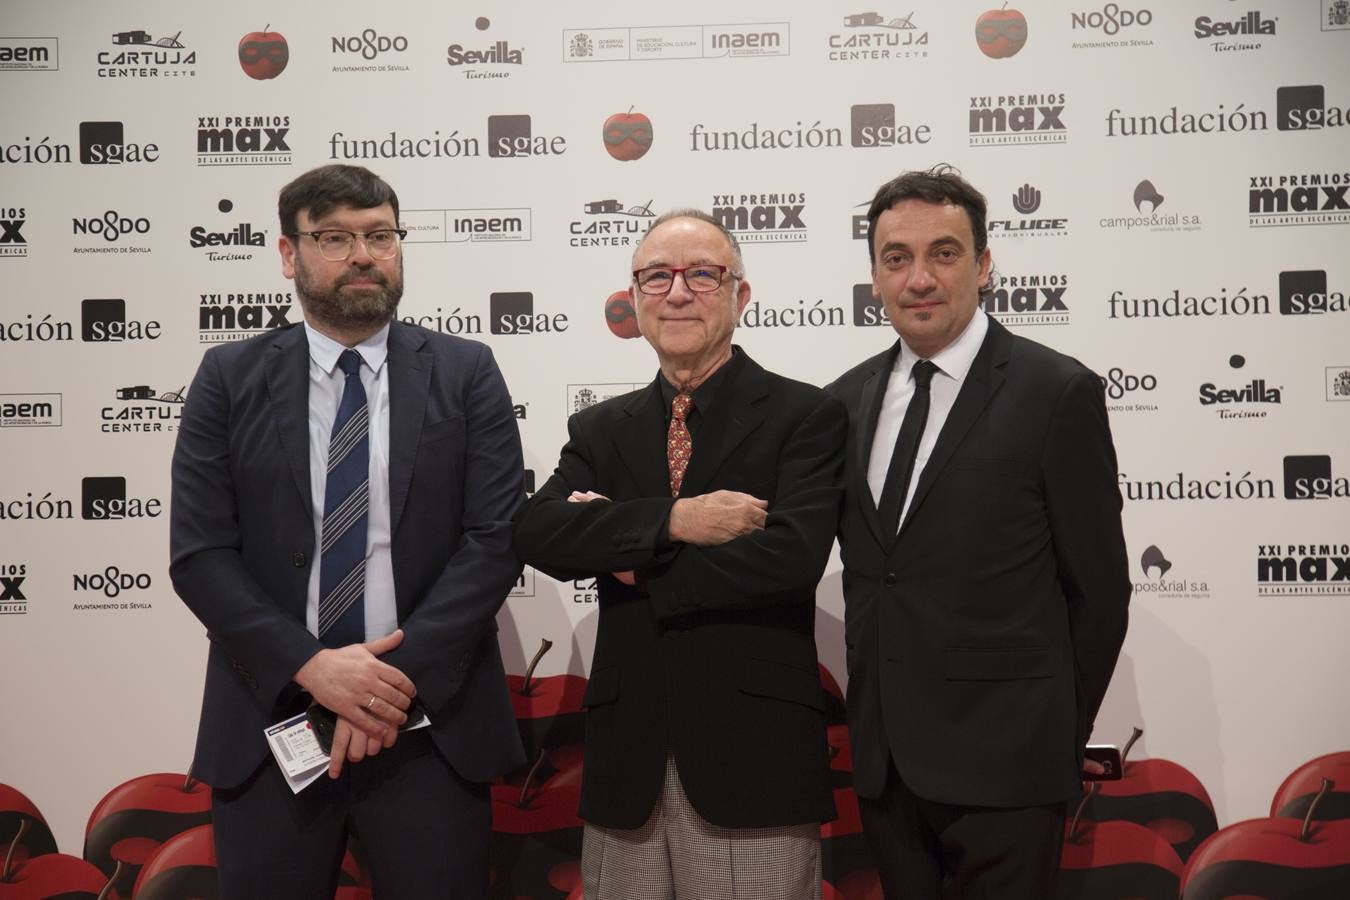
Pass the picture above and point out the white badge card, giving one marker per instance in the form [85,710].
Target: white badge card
[297,751]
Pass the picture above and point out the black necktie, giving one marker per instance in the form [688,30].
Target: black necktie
[906,448]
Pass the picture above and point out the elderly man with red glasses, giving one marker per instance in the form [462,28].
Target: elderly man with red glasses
[705,505]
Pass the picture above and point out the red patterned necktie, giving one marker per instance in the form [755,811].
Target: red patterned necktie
[679,446]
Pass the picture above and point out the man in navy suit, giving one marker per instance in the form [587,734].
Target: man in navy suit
[342,498]
[985,579]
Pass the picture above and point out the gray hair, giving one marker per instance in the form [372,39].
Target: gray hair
[701,216]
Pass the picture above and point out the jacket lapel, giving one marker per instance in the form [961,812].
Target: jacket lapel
[982,382]
[288,387]
[640,437]
[735,419]
[869,406]
[409,383]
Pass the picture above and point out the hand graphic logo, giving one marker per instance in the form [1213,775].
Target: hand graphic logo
[1027,200]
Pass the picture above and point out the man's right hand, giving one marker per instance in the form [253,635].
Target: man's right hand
[344,680]
[712,519]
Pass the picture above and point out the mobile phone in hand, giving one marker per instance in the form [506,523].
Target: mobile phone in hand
[324,722]
[1108,755]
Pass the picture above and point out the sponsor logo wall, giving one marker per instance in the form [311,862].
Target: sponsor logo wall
[1168,203]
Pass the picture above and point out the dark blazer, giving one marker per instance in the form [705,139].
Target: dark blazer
[242,540]
[712,656]
[988,629]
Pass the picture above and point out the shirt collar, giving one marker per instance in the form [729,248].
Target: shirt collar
[955,359]
[705,393]
[325,351]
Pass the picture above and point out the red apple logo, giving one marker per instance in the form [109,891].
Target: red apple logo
[620,315]
[1000,33]
[536,833]
[1281,857]
[1160,795]
[1115,859]
[131,822]
[548,710]
[263,54]
[50,875]
[1303,786]
[183,866]
[628,136]
[15,810]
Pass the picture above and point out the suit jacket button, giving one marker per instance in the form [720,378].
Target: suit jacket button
[298,560]
[890,579]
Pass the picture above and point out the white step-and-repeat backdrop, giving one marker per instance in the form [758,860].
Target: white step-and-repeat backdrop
[1169,189]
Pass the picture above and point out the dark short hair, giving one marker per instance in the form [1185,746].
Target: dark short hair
[940,184]
[320,190]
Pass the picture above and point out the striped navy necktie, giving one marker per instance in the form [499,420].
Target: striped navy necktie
[346,504]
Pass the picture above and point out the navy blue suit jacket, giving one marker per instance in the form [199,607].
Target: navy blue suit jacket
[242,540]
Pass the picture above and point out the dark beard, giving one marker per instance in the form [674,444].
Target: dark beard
[345,307]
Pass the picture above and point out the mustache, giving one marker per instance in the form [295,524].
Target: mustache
[372,274]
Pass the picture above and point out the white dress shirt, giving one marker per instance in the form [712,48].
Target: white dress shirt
[953,364]
[326,382]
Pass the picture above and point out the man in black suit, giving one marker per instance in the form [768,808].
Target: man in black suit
[342,496]
[706,504]
[985,579]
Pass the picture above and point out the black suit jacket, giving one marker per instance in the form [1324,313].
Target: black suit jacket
[712,656]
[982,638]
[242,540]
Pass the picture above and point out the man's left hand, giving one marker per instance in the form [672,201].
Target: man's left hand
[350,744]
[1092,767]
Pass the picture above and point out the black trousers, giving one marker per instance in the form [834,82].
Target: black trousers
[424,831]
[927,850]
